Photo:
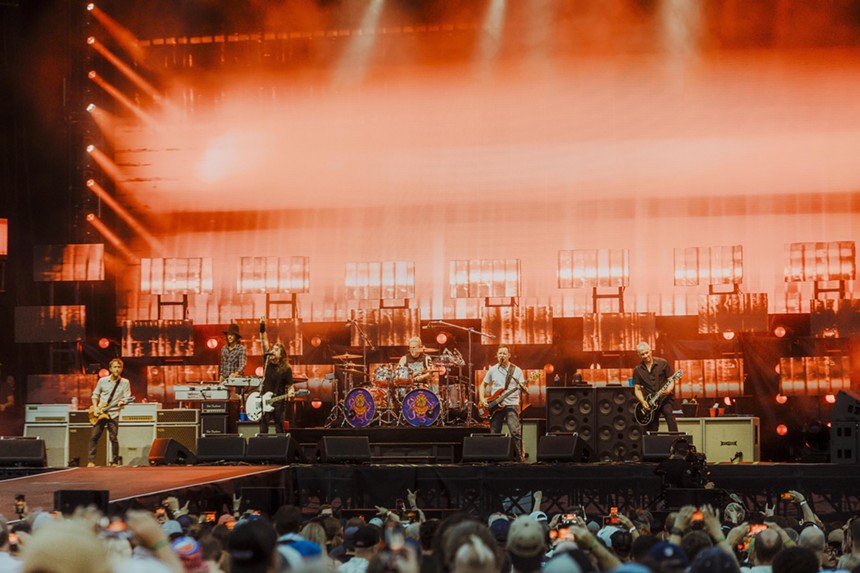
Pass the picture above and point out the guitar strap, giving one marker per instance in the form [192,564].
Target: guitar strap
[112,392]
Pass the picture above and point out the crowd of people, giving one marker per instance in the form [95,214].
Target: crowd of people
[171,539]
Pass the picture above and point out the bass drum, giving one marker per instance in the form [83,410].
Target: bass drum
[421,407]
[362,404]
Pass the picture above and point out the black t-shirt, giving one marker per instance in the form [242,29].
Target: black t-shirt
[276,380]
[655,379]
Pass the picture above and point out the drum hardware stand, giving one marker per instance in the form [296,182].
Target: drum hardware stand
[365,341]
[469,402]
[337,411]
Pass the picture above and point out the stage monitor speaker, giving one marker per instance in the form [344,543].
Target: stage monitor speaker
[656,445]
[56,438]
[618,437]
[67,500]
[572,410]
[221,448]
[562,448]
[847,407]
[185,435]
[844,442]
[23,452]
[272,449]
[488,448]
[169,452]
[344,449]
[263,499]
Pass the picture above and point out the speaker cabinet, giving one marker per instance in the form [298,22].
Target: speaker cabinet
[488,448]
[618,437]
[532,431]
[562,448]
[655,445]
[23,452]
[185,435]
[221,448]
[692,427]
[79,441]
[56,438]
[344,449]
[572,410]
[844,442]
[67,500]
[214,424]
[272,449]
[731,439]
[263,499]
[847,407]
[135,441]
[169,452]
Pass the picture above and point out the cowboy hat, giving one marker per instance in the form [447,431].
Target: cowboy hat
[233,329]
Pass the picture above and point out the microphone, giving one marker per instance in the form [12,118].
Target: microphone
[270,353]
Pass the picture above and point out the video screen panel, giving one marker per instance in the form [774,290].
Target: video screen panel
[62,323]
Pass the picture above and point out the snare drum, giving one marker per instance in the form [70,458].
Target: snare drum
[362,404]
[382,376]
[421,407]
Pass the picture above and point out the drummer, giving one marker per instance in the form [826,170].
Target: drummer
[419,364]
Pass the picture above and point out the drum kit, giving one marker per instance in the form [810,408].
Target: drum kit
[390,395]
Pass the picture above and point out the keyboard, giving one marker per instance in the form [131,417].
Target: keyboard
[185,393]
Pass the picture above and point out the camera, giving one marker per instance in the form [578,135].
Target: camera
[210,517]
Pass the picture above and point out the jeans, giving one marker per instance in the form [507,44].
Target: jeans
[112,425]
[509,416]
[666,410]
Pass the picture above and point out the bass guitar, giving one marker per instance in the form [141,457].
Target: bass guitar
[496,400]
[103,413]
[644,417]
[258,404]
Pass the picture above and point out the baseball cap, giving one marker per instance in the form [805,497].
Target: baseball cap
[714,560]
[538,516]
[251,546]
[500,529]
[171,527]
[669,556]
[526,543]
[190,553]
[366,536]
[605,534]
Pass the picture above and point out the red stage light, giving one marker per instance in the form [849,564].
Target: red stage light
[549,368]
[780,399]
[103,372]
[728,335]
[91,40]
[779,331]
[90,7]
[442,338]
[90,148]
[782,429]
[316,341]
[91,182]
[317,404]
[212,343]
[90,217]
[258,371]
[91,107]
[92,74]
[830,399]
[728,401]
[104,342]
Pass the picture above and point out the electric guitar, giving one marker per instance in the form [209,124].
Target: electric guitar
[495,401]
[102,413]
[644,417]
[257,404]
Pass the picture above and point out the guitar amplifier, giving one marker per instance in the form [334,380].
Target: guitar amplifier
[214,407]
[46,413]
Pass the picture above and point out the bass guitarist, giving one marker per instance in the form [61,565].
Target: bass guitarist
[504,378]
[649,377]
[109,396]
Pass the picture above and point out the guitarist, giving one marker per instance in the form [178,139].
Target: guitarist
[109,396]
[277,379]
[649,377]
[501,378]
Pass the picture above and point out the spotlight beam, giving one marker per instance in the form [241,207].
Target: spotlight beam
[125,69]
[121,98]
[123,36]
[121,211]
[112,238]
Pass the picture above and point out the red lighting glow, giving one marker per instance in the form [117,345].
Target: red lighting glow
[728,335]
[830,399]
[92,75]
[728,401]
[91,217]
[316,341]
[316,404]
[782,429]
[779,331]
[103,372]
[212,343]
[104,342]
[781,399]
[258,371]
[549,368]
[442,338]
[91,182]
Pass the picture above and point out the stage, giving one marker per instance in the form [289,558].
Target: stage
[478,488]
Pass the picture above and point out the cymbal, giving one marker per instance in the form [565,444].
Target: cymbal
[351,365]
[431,350]
[346,356]
[354,371]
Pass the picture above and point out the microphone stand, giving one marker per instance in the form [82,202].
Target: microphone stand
[470,387]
